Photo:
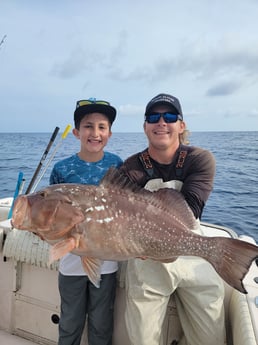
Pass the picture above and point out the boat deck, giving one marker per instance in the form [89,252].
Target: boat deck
[10,339]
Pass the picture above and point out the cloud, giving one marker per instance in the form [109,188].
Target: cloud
[77,63]
[58,52]
[131,110]
[200,60]
[85,59]
[223,88]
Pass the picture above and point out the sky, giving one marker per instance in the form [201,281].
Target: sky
[53,53]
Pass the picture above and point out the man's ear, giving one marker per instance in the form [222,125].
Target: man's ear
[182,126]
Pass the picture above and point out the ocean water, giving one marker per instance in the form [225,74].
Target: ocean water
[233,202]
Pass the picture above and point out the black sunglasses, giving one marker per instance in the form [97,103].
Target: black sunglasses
[155,117]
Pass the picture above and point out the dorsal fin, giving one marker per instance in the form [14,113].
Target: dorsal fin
[167,199]
[118,179]
[175,203]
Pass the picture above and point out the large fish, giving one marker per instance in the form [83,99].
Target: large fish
[118,220]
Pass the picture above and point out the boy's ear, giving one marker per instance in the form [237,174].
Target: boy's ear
[76,133]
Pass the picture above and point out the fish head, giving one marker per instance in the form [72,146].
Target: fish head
[49,213]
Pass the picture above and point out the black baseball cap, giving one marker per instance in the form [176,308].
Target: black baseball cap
[165,99]
[92,105]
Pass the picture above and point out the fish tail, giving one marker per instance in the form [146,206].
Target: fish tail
[232,259]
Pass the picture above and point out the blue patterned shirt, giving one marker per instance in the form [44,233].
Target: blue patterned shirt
[75,170]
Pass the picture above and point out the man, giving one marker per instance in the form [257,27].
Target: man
[199,291]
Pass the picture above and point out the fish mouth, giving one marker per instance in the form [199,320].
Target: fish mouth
[19,212]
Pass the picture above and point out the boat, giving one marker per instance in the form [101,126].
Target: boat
[30,303]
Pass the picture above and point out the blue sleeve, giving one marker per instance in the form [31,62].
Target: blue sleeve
[53,179]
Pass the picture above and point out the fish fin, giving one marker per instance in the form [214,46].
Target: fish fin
[60,249]
[232,260]
[166,199]
[118,179]
[175,202]
[92,268]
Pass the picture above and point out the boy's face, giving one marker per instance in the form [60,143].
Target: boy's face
[94,132]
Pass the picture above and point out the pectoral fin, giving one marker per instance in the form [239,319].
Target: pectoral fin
[92,268]
[60,249]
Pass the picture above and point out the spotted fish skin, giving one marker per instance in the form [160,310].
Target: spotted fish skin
[118,220]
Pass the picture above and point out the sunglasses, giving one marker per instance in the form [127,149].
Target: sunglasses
[90,101]
[155,117]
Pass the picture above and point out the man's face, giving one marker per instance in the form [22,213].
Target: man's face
[161,135]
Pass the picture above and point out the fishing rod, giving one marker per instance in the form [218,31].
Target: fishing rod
[18,190]
[64,135]
[21,179]
[43,158]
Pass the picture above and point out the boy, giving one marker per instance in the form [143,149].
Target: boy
[79,297]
